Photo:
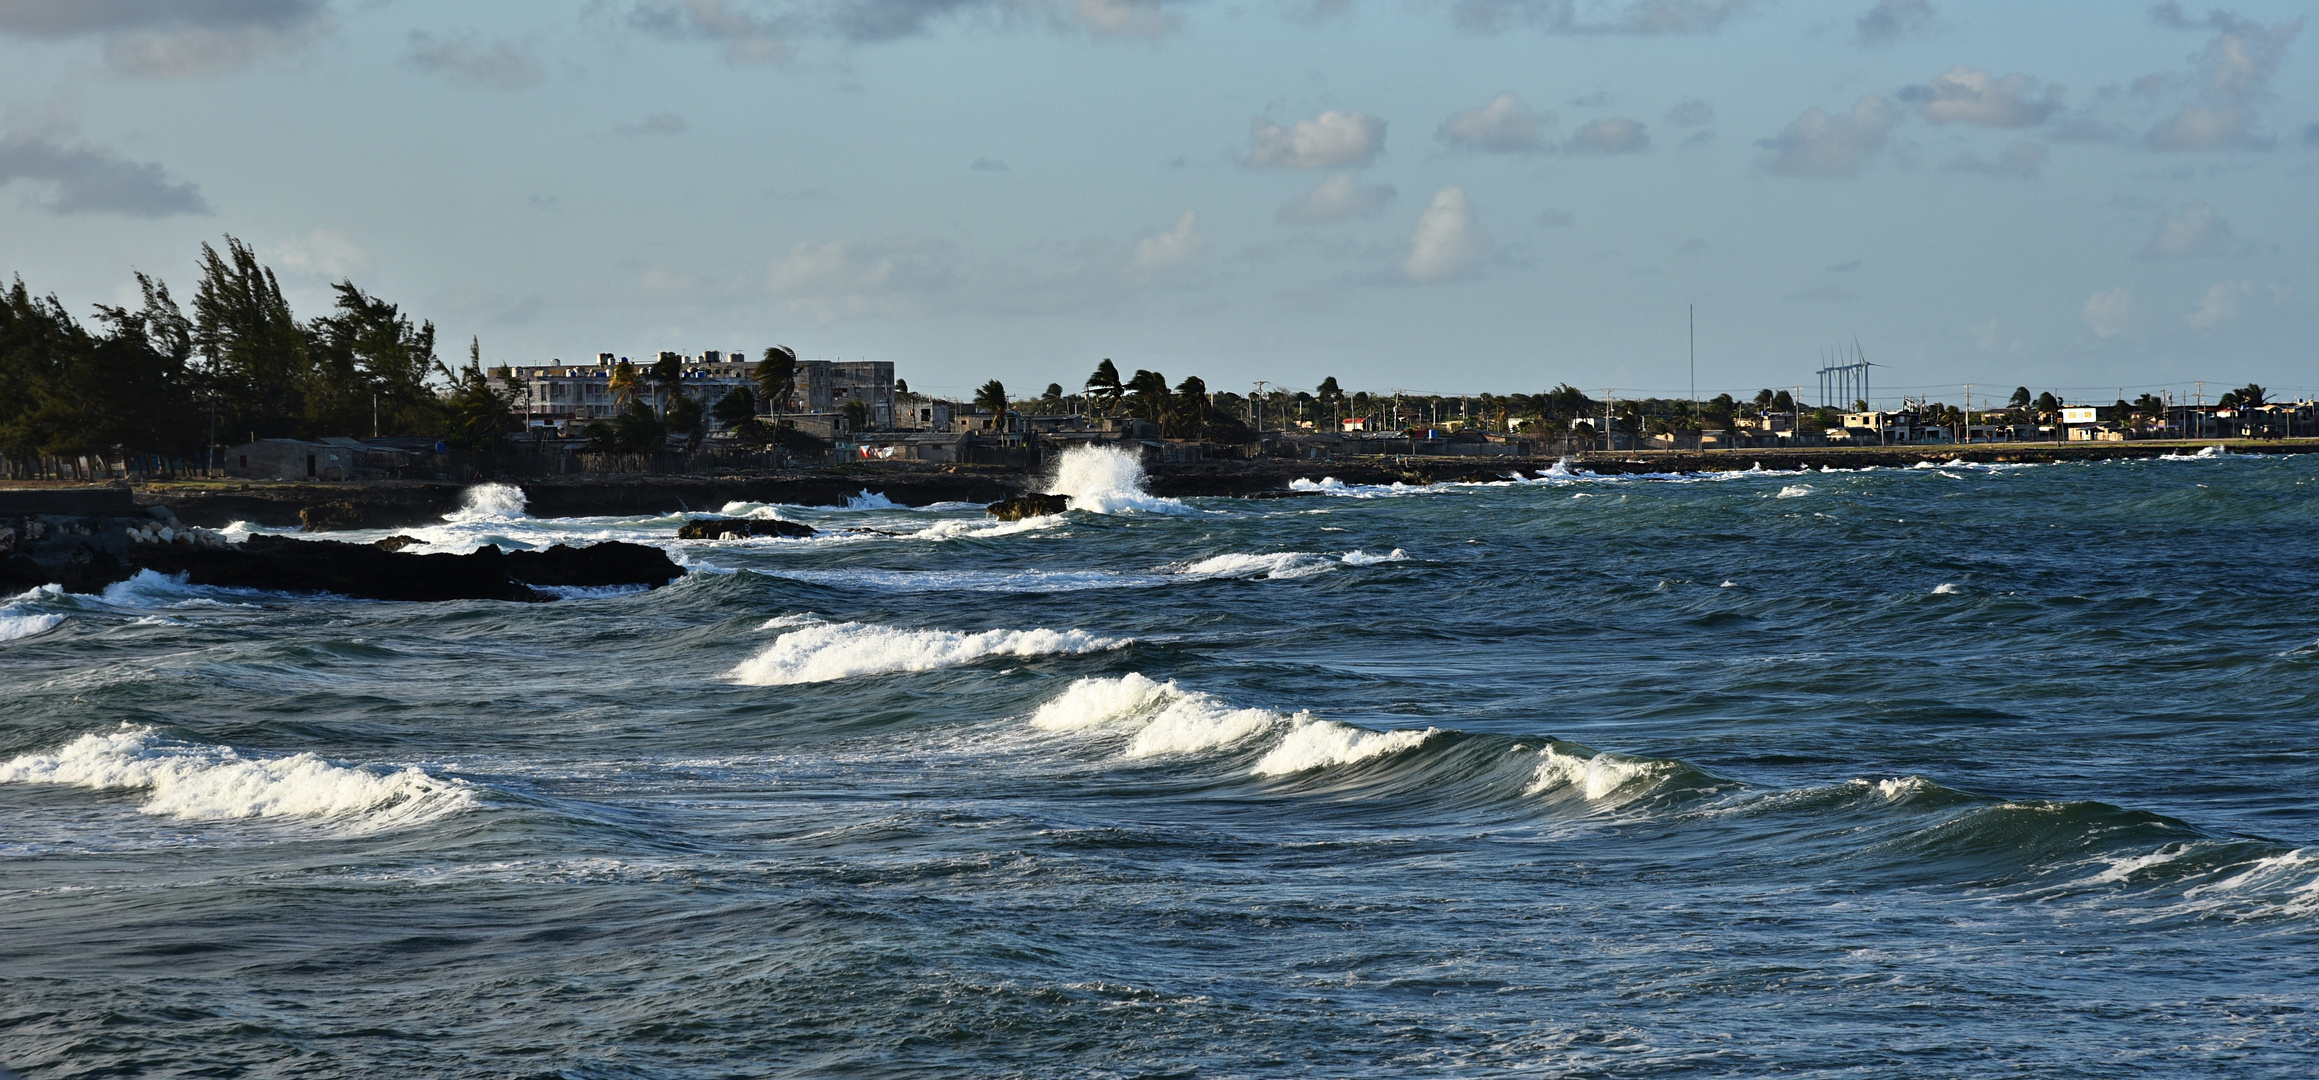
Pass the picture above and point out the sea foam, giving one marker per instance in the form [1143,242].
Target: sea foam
[1169,719]
[196,782]
[823,652]
[490,502]
[1107,480]
[14,626]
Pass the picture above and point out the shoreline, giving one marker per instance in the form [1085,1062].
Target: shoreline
[358,504]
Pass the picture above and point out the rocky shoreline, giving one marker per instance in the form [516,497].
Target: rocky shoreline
[323,507]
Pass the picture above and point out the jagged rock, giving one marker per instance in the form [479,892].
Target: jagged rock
[396,543]
[736,528]
[1028,504]
[366,572]
[324,517]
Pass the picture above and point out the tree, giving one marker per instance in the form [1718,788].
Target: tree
[668,373]
[736,408]
[1149,400]
[251,345]
[1191,408]
[479,414]
[2020,398]
[992,398]
[624,383]
[685,417]
[857,415]
[776,378]
[1104,386]
[385,364]
[1052,400]
[635,430]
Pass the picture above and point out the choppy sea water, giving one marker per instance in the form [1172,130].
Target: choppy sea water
[1957,771]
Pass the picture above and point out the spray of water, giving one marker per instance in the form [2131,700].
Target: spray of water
[489,502]
[1108,480]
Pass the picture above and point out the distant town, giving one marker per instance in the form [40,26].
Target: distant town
[241,387]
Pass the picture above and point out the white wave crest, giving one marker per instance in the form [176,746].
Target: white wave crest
[489,502]
[1319,744]
[871,500]
[1172,720]
[1357,557]
[2208,453]
[16,626]
[830,651]
[1279,565]
[1108,480]
[1794,491]
[198,782]
[1599,777]
[1946,588]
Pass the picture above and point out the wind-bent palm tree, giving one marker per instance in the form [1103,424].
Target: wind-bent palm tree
[623,383]
[1150,401]
[992,397]
[1104,386]
[776,378]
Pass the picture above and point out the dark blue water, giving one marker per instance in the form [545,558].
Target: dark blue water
[1937,772]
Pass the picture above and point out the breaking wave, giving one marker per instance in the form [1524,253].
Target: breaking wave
[1108,480]
[489,502]
[827,651]
[194,781]
[15,626]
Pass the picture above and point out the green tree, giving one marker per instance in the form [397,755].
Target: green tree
[736,408]
[1148,398]
[2020,398]
[1052,400]
[992,398]
[251,345]
[776,378]
[684,416]
[1104,386]
[383,363]
[624,383]
[479,414]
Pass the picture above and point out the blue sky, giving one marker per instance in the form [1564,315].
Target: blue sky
[1434,196]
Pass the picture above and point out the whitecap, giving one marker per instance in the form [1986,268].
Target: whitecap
[1598,776]
[16,627]
[1357,557]
[196,782]
[1277,566]
[489,502]
[1108,480]
[829,651]
[1946,589]
[1322,743]
[1794,491]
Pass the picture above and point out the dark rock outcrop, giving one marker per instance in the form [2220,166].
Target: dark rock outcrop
[1028,504]
[718,528]
[365,572]
[396,543]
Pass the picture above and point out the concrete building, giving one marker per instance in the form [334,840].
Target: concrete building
[557,394]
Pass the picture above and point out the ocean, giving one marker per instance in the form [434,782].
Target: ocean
[1952,771]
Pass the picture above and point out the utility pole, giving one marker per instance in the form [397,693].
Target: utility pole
[1697,422]
[1968,432]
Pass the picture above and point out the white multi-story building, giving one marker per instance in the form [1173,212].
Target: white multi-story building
[556,393]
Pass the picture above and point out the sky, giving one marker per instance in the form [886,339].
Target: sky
[1437,196]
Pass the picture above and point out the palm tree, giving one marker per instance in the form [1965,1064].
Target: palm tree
[668,371]
[623,382]
[776,377]
[1052,400]
[992,398]
[1151,397]
[1191,405]
[1104,386]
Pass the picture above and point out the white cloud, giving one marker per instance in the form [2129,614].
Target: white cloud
[749,39]
[321,253]
[2233,79]
[1893,20]
[1820,145]
[1691,113]
[502,65]
[86,179]
[2109,313]
[173,38]
[2193,232]
[821,283]
[1968,95]
[1449,241]
[1504,126]
[1328,141]
[1646,17]
[1610,135]
[2022,160]
[2221,304]
[1173,248]
[1336,199]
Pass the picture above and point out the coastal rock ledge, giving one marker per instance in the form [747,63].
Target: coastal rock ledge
[1028,504]
[364,571]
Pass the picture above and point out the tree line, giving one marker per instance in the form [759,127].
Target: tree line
[159,384]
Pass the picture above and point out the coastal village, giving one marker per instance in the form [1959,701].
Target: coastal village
[713,409]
